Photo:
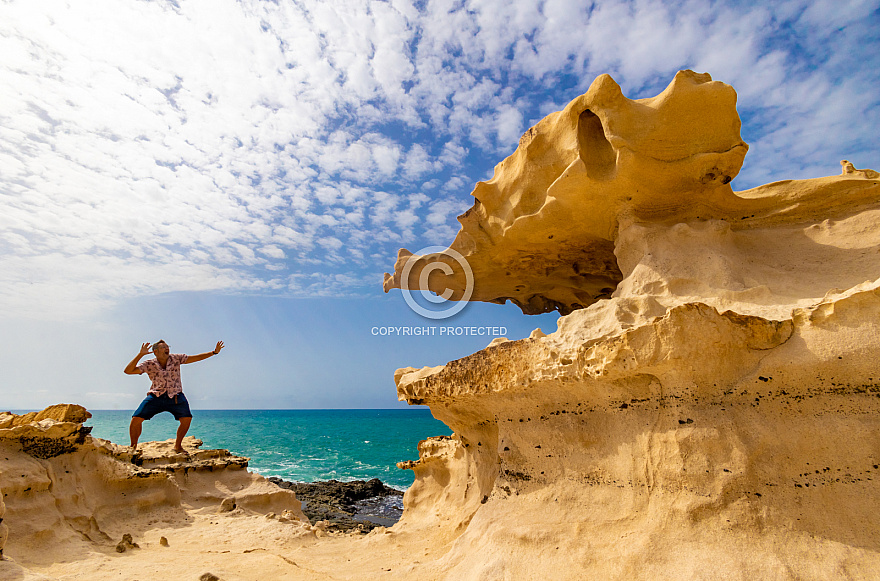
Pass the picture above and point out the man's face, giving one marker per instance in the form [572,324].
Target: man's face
[160,349]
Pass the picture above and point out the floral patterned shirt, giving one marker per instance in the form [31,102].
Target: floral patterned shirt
[165,380]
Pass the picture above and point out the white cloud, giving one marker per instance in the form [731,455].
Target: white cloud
[419,162]
[337,284]
[836,14]
[509,126]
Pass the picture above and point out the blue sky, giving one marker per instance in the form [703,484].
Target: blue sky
[246,171]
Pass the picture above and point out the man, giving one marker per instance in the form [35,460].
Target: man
[166,392]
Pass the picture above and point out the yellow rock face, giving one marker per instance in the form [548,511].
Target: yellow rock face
[541,232]
[708,408]
[544,230]
[66,494]
[63,412]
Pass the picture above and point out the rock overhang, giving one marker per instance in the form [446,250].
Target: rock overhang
[541,232]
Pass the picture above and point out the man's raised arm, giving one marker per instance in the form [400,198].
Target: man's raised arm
[131,368]
[200,356]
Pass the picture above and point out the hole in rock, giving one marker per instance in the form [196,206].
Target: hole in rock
[595,151]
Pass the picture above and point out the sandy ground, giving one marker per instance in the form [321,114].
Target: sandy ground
[235,546]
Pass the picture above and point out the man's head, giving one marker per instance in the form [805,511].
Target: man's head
[160,346]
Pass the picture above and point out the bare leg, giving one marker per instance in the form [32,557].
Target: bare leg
[181,432]
[134,430]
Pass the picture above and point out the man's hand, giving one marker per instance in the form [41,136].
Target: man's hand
[203,356]
[131,368]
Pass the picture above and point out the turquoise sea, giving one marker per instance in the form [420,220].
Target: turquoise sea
[298,445]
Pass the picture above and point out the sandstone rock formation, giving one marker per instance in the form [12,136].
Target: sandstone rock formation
[544,230]
[63,412]
[710,408]
[67,493]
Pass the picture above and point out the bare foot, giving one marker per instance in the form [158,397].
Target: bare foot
[181,451]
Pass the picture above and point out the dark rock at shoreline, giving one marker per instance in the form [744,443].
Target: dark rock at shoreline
[357,505]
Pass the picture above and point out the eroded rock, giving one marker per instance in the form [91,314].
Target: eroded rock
[711,411]
[64,412]
[87,489]
[227,504]
[544,231]
[126,543]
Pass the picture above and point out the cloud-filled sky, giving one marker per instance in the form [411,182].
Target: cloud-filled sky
[286,150]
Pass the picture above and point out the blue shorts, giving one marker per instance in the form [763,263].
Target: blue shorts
[153,405]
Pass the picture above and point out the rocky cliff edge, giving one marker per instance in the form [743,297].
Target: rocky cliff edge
[68,497]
